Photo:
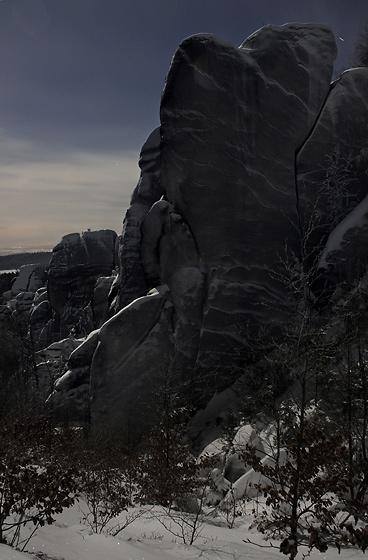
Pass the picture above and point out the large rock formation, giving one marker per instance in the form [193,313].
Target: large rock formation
[232,177]
[72,302]
[68,297]
[232,121]
[257,155]
[18,301]
[50,308]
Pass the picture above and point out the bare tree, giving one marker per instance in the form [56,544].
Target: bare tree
[360,57]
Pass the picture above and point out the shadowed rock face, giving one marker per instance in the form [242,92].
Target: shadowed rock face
[215,204]
[18,302]
[131,282]
[248,153]
[232,121]
[332,179]
[77,262]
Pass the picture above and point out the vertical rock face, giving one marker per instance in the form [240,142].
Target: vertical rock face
[332,177]
[77,262]
[232,121]
[215,205]
[131,282]
[19,299]
[31,278]
[256,152]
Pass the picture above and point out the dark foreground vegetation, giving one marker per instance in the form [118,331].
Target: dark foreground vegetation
[308,390]
[312,485]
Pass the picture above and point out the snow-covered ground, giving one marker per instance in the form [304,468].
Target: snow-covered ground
[147,539]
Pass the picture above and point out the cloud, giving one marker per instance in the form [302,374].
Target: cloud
[80,92]
[44,200]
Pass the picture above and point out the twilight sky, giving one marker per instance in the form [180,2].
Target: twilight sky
[80,87]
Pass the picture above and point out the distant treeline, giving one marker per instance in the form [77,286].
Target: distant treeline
[16,260]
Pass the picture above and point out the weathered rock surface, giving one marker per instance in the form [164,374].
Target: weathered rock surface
[215,204]
[70,396]
[131,359]
[52,363]
[18,301]
[79,289]
[332,178]
[72,295]
[255,147]
[228,157]
[31,277]
[131,282]
[77,263]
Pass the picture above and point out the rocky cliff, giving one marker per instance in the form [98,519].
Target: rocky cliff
[256,148]
[68,297]
[257,155]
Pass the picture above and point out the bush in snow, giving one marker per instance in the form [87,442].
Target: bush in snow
[35,482]
[306,497]
[103,484]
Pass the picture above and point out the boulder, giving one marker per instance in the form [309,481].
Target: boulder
[51,363]
[31,277]
[70,395]
[83,354]
[131,360]
[23,303]
[76,264]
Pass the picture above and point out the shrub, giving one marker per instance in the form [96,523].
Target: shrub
[35,482]
[306,497]
[103,485]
